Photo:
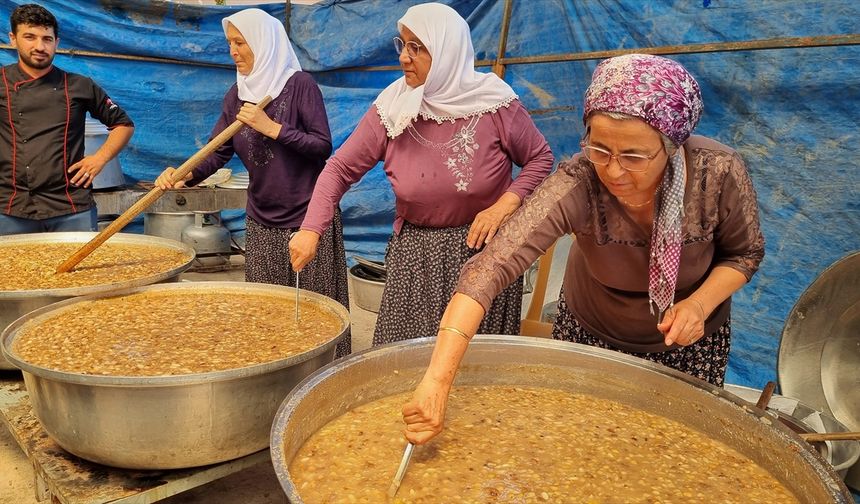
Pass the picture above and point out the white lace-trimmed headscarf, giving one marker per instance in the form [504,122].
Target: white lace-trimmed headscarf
[453,89]
[274,58]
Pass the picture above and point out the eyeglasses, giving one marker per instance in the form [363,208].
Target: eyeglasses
[413,49]
[629,162]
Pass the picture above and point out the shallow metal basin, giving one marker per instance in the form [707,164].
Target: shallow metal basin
[513,360]
[169,422]
[15,304]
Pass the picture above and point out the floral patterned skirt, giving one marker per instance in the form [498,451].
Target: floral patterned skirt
[267,260]
[423,267]
[705,359]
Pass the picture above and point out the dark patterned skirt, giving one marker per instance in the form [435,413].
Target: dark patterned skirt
[267,260]
[705,359]
[423,268]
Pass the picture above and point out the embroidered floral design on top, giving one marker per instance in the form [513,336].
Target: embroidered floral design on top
[259,153]
[457,153]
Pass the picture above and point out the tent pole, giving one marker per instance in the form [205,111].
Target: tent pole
[149,59]
[288,12]
[749,45]
[498,66]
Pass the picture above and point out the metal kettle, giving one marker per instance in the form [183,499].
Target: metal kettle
[210,239]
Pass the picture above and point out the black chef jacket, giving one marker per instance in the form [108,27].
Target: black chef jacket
[42,134]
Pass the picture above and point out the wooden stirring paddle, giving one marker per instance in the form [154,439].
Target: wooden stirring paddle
[153,195]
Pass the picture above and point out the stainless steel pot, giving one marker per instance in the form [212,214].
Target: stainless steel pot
[169,422]
[366,288]
[95,135]
[513,360]
[819,352]
[15,304]
[167,224]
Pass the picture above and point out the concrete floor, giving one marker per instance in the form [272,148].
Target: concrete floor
[256,485]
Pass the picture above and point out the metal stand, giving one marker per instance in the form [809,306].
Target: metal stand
[61,477]
[189,199]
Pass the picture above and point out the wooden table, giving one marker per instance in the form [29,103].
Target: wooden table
[61,477]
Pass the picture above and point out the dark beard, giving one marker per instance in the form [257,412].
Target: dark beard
[38,65]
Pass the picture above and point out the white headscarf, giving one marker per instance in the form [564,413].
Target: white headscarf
[453,89]
[274,59]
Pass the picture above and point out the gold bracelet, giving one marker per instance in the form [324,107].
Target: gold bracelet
[457,331]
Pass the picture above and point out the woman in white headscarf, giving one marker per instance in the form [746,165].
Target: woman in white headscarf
[448,136]
[284,149]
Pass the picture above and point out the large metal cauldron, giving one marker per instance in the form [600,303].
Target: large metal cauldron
[169,422]
[15,304]
[514,360]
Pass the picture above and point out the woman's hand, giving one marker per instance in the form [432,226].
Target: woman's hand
[303,248]
[165,180]
[425,413]
[488,221]
[256,118]
[684,323]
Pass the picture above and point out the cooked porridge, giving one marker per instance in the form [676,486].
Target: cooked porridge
[33,265]
[507,444]
[172,333]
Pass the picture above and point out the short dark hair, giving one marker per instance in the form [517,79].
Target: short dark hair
[33,15]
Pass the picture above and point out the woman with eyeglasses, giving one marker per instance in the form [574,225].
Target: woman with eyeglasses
[284,148]
[666,227]
[448,136]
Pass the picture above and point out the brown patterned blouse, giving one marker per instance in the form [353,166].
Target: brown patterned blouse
[606,279]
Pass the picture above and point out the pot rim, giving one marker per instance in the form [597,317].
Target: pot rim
[83,237]
[10,333]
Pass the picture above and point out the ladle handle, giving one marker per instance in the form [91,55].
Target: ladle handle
[766,394]
[401,471]
[153,195]
[830,436]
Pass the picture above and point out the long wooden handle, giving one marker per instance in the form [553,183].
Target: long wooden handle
[830,436]
[766,394]
[153,195]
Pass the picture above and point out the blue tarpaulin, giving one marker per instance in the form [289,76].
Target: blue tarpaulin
[791,113]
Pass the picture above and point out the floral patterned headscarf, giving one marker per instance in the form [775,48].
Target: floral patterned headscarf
[655,89]
[663,94]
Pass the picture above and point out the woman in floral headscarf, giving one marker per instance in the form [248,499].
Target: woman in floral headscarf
[448,136]
[666,229]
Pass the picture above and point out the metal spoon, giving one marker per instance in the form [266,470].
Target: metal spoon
[297,284]
[297,297]
[401,471]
